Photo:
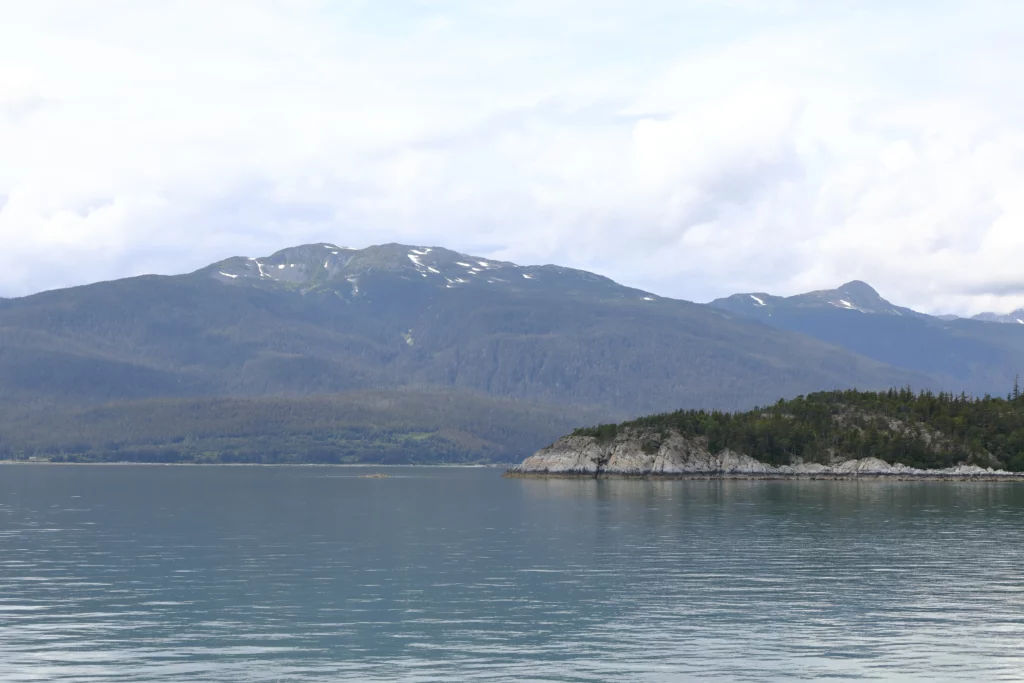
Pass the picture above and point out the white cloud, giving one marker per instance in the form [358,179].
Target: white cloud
[692,148]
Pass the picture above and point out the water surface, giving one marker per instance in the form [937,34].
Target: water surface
[135,573]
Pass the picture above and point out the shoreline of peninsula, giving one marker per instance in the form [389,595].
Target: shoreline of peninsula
[835,435]
[839,435]
[677,458]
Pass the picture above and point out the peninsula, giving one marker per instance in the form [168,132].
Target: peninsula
[897,434]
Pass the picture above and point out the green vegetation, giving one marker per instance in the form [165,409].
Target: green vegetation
[924,430]
[204,366]
[969,355]
[561,338]
[369,427]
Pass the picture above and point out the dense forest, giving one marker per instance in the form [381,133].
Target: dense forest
[357,427]
[557,337]
[919,429]
[402,354]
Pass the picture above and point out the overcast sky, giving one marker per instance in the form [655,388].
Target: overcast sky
[692,148]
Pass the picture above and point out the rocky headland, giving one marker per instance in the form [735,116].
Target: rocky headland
[639,453]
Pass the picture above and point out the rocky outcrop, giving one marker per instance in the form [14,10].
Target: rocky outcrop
[634,453]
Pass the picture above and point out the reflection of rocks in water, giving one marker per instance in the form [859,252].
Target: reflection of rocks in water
[630,454]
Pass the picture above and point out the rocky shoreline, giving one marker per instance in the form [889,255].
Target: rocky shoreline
[635,454]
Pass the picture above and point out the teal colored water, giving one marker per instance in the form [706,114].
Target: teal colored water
[315,574]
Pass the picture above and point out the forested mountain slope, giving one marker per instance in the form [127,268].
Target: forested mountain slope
[960,354]
[359,426]
[322,321]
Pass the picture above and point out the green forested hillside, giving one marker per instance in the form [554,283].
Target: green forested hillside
[122,369]
[365,426]
[560,337]
[924,429]
[959,354]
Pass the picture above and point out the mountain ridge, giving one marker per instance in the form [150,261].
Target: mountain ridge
[1013,317]
[958,353]
[307,322]
[855,295]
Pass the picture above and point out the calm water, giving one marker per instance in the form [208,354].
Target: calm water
[316,574]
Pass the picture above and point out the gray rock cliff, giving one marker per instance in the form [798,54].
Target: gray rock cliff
[633,453]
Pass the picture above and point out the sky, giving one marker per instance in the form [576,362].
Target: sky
[693,148]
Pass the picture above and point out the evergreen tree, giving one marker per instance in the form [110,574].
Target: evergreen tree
[922,429]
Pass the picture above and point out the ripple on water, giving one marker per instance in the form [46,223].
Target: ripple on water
[248,574]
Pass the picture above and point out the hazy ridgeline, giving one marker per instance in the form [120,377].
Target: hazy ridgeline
[326,354]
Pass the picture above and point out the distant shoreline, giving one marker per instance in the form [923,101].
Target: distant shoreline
[247,464]
[740,476]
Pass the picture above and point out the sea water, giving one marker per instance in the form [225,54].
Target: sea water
[148,573]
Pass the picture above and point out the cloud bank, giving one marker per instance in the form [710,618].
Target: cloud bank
[694,149]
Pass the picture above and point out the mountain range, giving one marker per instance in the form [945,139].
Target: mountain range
[1014,317]
[393,353]
[957,354]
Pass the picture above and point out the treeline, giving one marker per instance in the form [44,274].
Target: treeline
[373,427]
[336,447]
[921,429]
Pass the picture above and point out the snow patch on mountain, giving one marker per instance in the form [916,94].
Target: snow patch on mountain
[1013,317]
[301,265]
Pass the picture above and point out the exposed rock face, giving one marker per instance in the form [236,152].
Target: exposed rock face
[676,456]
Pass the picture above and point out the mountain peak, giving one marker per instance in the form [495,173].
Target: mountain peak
[324,262]
[1014,317]
[859,288]
[855,295]
[345,270]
